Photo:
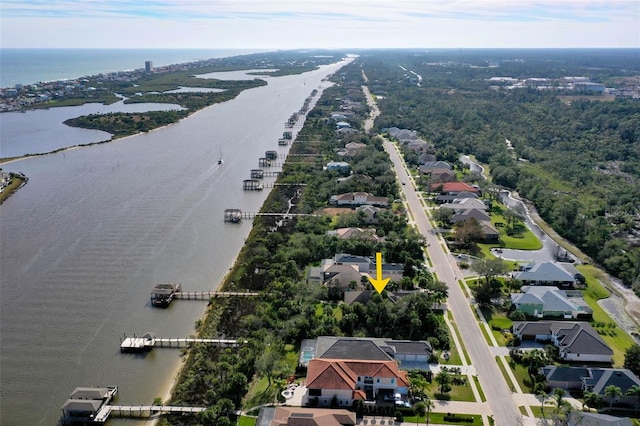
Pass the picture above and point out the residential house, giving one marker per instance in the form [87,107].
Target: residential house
[358,199]
[466,214]
[346,131]
[343,269]
[350,149]
[491,234]
[584,418]
[453,188]
[342,125]
[357,233]
[568,378]
[600,378]
[368,214]
[428,166]
[441,175]
[576,341]
[342,276]
[467,203]
[301,416]
[545,273]
[350,380]
[447,198]
[426,157]
[593,379]
[339,166]
[373,348]
[549,301]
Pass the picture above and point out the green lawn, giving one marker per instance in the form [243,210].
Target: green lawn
[615,337]
[483,398]
[438,418]
[522,375]
[246,421]
[500,320]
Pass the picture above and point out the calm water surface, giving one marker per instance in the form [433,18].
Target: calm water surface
[43,130]
[83,243]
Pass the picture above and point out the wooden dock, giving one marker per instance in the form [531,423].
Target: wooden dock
[236,215]
[151,410]
[205,295]
[148,342]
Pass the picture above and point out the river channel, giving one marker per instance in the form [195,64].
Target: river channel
[95,228]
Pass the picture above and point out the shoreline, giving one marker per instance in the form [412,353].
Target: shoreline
[174,377]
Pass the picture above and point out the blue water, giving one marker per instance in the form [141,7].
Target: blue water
[28,66]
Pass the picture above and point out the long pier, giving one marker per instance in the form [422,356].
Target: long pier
[148,342]
[204,295]
[150,410]
[236,215]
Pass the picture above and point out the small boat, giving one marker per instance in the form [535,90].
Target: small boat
[220,160]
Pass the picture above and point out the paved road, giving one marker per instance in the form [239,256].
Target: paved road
[499,397]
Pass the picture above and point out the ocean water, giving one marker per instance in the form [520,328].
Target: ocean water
[28,66]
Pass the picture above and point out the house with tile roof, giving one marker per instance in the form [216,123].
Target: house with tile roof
[550,301]
[545,273]
[349,380]
[300,416]
[576,341]
[453,188]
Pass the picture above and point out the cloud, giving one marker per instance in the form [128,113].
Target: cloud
[288,23]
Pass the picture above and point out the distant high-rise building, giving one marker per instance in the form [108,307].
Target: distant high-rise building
[148,66]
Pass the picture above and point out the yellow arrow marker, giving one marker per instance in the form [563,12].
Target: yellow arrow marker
[378,282]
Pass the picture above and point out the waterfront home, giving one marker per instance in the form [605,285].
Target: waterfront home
[339,166]
[368,214]
[346,381]
[368,234]
[302,416]
[358,199]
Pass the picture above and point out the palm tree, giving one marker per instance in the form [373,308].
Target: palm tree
[420,409]
[444,379]
[430,406]
[558,395]
[612,391]
[591,399]
[634,391]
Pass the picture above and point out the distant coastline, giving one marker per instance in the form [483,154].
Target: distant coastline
[31,66]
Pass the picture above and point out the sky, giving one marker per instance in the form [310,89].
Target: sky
[340,24]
